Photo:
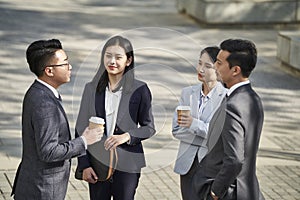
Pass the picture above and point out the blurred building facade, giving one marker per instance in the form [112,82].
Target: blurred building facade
[241,11]
[253,12]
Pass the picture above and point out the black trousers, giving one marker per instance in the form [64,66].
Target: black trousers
[122,186]
[186,182]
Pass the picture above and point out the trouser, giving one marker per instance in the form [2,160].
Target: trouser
[186,182]
[122,186]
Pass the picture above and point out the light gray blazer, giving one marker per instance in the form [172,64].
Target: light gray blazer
[47,149]
[193,139]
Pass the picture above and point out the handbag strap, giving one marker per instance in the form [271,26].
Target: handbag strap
[113,161]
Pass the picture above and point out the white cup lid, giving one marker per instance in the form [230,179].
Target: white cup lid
[97,120]
[183,108]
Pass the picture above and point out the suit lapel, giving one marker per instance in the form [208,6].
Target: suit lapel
[100,104]
[215,99]
[123,106]
[62,109]
[194,100]
[216,125]
[51,95]
[211,105]
[218,120]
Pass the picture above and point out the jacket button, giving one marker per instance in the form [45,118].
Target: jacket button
[116,129]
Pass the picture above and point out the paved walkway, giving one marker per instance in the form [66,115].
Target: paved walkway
[167,46]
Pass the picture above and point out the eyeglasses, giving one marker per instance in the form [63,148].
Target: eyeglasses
[61,65]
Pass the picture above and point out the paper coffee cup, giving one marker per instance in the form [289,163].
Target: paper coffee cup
[96,122]
[183,110]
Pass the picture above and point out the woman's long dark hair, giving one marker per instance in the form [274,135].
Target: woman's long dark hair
[128,75]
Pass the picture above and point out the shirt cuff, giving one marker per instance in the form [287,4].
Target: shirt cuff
[128,142]
[84,141]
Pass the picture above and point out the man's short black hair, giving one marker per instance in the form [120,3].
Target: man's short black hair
[39,53]
[243,53]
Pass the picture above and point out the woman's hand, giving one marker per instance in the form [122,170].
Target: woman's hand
[89,175]
[115,140]
[185,120]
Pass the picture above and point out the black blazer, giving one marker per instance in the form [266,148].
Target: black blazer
[134,116]
[229,168]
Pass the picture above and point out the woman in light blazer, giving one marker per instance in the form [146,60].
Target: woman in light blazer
[203,99]
[125,104]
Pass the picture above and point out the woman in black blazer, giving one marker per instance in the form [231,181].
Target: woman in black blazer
[125,104]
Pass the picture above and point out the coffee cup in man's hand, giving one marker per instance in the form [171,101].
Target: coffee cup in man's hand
[95,122]
[95,130]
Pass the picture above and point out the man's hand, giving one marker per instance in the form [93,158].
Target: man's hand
[213,196]
[92,135]
[115,140]
[185,120]
[89,175]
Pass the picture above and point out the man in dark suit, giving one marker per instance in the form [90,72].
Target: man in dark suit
[47,146]
[228,171]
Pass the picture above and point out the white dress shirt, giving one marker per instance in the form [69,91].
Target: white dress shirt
[234,87]
[55,92]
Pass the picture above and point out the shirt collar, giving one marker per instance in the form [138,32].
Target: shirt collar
[113,92]
[108,88]
[208,96]
[234,87]
[55,92]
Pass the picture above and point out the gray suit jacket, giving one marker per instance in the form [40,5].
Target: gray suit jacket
[47,148]
[229,168]
[193,140]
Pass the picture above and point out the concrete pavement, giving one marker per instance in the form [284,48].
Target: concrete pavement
[167,46]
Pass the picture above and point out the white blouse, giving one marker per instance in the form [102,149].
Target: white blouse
[112,101]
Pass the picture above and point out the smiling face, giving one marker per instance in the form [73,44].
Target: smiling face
[115,60]
[206,70]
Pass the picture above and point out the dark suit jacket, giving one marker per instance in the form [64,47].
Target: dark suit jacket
[47,148]
[134,116]
[234,134]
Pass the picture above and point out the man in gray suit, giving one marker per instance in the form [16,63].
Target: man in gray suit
[47,146]
[228,171]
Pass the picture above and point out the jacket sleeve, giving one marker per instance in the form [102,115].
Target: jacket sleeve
[144,117]
[197,132]
[52,133]
[86,110]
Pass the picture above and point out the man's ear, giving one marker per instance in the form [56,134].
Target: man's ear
[49,71]
[236,70]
